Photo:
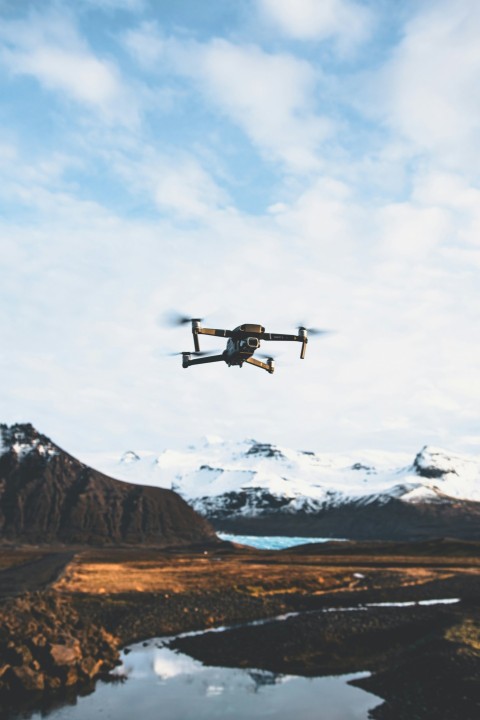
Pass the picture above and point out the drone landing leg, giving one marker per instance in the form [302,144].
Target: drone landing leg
[258,363]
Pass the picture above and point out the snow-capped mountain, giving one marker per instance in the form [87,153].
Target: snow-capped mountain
[262,488]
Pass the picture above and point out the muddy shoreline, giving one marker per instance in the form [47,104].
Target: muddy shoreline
[55,642]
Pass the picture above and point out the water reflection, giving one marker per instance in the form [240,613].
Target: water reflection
[164,683]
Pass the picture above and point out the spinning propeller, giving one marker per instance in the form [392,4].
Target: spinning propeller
[175,319]
[201,353]
[312,330]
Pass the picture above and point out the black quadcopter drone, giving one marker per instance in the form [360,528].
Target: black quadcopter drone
[242,343]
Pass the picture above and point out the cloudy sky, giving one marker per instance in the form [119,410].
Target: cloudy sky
[267,161]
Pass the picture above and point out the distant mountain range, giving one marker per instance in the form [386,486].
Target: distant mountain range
[257,488]
[170,498]
[47,496]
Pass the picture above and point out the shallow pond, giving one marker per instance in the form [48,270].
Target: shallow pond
[162,683]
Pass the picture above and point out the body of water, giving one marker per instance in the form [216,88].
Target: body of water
[162,683]
[273,542]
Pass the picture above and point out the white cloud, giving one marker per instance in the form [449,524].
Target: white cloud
[178,184]
[146,45]
[346,21]
[49,48]
[325,223]
[185,188]
[27,180]
[429,89]
[410,232]
[270,96]
[85,77]
[460,199]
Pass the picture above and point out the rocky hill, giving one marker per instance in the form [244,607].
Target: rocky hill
[262,489]
[47,496]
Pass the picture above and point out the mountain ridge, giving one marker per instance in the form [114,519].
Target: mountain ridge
[258,488]
[47,496]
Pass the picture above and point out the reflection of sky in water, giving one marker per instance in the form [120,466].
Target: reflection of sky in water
[165,684]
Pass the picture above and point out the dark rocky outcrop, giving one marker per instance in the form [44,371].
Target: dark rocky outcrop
[265,450]
[45,646]
[47,496]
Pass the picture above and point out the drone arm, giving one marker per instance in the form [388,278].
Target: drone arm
[302,337]
[200,361]
[213,331]
[278,336]
[197,330]
[269,367]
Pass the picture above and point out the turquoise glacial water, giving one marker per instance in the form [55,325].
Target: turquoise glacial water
[273,542]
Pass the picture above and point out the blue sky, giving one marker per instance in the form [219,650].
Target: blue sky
[267,161]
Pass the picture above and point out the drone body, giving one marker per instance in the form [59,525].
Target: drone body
[242,343]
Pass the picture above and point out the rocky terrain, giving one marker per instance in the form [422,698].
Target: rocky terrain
[45,645]
[259,488]
[58,640]
[47,496]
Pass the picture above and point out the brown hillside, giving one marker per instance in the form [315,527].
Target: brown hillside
[47,496]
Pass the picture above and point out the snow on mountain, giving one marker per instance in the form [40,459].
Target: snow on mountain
[248,477]
[22,439]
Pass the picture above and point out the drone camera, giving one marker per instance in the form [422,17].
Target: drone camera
[253,343]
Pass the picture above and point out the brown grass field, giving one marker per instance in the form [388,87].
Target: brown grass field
[100,572]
